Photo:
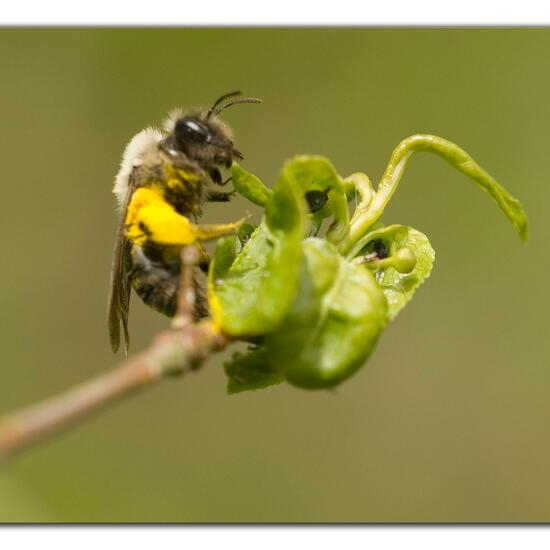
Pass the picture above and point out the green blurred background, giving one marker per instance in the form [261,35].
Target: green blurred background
[449,421]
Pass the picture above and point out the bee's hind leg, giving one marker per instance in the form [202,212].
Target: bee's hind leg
[204,258]
[210,232]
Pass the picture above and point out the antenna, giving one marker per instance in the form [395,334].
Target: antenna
[220,99]
[236,102]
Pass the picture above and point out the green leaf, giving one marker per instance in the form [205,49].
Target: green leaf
[454,155]
[334,322]
[226,251]
[316,173]
[409,263]
[358,187]
[254,293]
[250,371]
[249,186]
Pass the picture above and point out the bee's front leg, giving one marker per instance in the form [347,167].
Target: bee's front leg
[220,196]
[216,177]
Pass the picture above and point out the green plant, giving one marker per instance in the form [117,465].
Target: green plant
[311,303]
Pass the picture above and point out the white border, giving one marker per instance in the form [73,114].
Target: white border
[254,13]
[282,12]
[275,538]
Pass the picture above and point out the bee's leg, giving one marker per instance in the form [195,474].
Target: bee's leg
[209,232]
[220,196]
[216,176]
[204,258]
[201,303]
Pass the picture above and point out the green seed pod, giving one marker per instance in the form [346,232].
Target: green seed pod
[404,260]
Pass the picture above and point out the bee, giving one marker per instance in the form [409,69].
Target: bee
[160,189]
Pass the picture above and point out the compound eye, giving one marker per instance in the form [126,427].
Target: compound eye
[316,200]
[192,129]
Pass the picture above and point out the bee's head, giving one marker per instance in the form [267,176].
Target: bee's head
[204,138]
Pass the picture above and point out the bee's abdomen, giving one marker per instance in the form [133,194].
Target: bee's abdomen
[157,284]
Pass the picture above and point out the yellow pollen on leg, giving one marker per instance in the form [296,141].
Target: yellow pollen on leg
[150,216]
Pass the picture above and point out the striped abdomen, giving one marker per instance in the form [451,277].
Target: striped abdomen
[157,283]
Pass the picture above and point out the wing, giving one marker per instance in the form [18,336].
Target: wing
[119,290]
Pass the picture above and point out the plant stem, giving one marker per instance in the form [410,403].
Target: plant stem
[449,152]
[169,354]
[173,352]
